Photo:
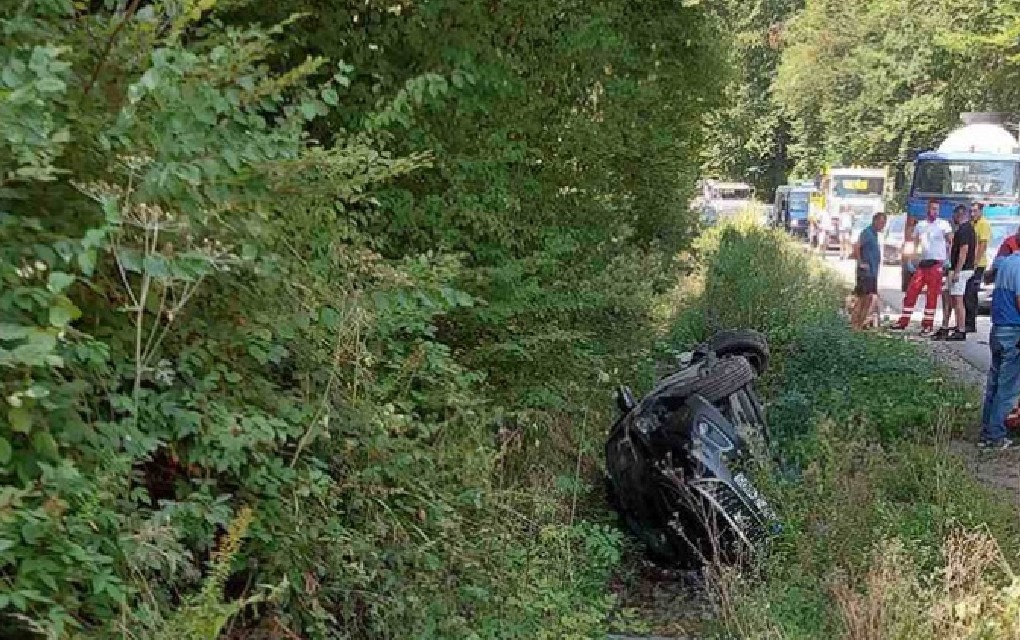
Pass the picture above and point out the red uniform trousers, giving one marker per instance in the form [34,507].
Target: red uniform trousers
[929,279]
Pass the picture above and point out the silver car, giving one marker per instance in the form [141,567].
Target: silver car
[893,239]
[1001,229]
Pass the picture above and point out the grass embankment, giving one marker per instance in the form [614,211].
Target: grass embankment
[886,533]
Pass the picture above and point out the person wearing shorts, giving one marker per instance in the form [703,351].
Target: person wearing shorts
[869,259]
[962,255]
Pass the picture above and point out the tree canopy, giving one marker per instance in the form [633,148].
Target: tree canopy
[860,83]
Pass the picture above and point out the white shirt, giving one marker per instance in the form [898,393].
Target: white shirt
[931,238]
[846,221]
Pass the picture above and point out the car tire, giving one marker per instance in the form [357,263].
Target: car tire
[714,380]
[742,342]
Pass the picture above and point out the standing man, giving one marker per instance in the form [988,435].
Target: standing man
[1003,385]
[846,225]
[931,237]
[961,269]
[983,232]
[869,259]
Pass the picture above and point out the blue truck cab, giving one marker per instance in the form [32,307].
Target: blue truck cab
[978,162]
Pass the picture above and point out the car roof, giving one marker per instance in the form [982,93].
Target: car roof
[975,157]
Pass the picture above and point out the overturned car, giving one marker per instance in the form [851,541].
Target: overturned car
[677,461]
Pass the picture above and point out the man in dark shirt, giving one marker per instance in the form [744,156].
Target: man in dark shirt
[869,258]
[962,255]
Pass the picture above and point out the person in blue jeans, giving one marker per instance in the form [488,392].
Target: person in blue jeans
[1003,384]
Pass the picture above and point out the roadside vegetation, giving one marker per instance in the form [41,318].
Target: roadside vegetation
[308,327]
[309,322]
[886,533]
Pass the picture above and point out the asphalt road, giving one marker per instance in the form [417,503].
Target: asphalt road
[974,350]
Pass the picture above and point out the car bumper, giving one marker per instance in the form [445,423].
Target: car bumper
[985,297]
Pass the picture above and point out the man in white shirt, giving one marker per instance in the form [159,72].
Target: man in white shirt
[932,237]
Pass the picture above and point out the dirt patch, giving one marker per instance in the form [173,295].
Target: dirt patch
[670,604]
[999,470]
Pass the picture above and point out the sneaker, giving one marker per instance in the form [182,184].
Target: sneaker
[927,332]
[956,336]
[995,445]
[941,334]
[897,327]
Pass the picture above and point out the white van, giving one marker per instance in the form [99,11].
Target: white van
[720,200]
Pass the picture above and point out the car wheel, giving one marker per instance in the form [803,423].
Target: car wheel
[714,380]
[742,342]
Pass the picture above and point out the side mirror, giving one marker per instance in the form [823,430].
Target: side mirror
[625,401]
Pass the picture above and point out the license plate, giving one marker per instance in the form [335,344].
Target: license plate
[759,500]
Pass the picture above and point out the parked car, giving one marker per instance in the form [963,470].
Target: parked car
[677,462]
[1002,228]
[721,200]
[892,240]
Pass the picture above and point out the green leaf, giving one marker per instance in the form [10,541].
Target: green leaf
[94,238]
[59,281]
[87,261]
[37,391]
[31,532]
[20,419]
[50,85]
[111,209]
[330,97]
[13,331]
[329,317]
[5,452]
[44,444]
[308,110]
[130,260]
[63,312]
[156,266]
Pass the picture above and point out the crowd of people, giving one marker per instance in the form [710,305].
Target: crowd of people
[948,263]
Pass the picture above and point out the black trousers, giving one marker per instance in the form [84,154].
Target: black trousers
[970,297]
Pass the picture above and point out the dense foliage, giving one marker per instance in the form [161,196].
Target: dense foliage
[306,327]
[749,137]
